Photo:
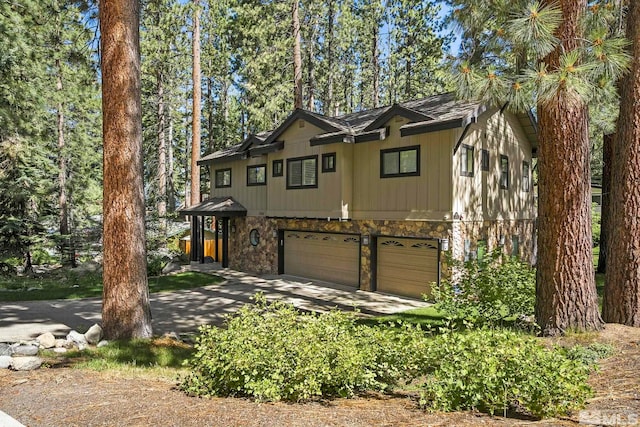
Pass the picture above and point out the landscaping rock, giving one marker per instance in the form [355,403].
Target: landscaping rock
[208,260]
[82,347]
[171,267]
[60,350]
[46,340]
[61,343]
[25,350]
[5,349]
[94,334]
[76,338]
[102,343]
[28,363]
[5,362]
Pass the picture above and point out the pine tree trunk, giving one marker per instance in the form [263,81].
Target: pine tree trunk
[328,104]
[63,215]
[210,138]
[171,190]
[297,58]
[197,100]
[162,163]
[311,83]
[622,283]
[375,66]
[566,293]
[605,207]
[125,310]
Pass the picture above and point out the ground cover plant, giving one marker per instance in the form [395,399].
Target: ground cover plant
[272,352]
[489,291]
[69,285]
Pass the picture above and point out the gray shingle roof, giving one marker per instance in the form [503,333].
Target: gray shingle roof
[441,108]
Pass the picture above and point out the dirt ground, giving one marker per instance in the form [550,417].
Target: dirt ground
[75,397]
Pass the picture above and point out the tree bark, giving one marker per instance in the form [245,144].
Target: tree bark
[605,207]
[375,66]
[621,302]
[63,216]
[566,296]
[197,100]
[171,191]
[297,58]
[328,104]
[125,310]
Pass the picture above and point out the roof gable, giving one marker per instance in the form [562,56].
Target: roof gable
[327,124]
[397,110]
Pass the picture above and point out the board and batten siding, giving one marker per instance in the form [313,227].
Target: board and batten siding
[480,197]
[331,198]
[254,198]
[424,197]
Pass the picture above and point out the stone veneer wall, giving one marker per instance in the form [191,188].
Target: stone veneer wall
[263,258]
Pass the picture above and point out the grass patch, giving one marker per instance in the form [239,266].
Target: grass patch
[164,356]
[69,285]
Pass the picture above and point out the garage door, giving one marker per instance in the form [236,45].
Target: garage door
[329,257]
[406,266]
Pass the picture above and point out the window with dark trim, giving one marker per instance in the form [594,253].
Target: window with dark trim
[466,160]
[302,172]
[329,162]
[485,160]
[397,162]
[504,172]
[526,177]
[257,175]
[223,178]
[277,168]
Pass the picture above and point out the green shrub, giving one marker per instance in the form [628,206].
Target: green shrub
[487,291]
[494,370]
[272,352]
[155,264]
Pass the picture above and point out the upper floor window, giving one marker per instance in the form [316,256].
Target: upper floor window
[302,172]
[466,160]
[485,160]
[257,175]
[504,172]
[223,178]
[329,162]
[277,169]
[400,162]
[526,180]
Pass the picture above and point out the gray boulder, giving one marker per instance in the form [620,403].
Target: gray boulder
[46,340]
[5,349]
[61,343]
[28,363]
[60,350]
[171,267]
[76,338]
[5,362]
[94,334]
[103,343]
[25,350]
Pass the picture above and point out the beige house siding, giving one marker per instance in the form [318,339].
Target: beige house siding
[254,198]
[332,197]
[424,197]
[480,197]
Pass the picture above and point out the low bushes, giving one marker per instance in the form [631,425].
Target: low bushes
[270,351]
[488,291]
[494,370]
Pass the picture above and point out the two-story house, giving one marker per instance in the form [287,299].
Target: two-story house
[372,199]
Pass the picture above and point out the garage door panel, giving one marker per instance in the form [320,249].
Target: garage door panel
[323,256]
[406,266]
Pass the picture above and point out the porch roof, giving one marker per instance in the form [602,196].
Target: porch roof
[216,206]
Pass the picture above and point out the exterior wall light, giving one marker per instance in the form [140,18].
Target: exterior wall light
[365,240]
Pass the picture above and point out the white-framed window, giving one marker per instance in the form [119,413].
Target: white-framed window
[526,177]
[466,160]
[504,172]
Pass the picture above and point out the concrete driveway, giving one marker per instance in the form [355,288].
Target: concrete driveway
[184,311]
